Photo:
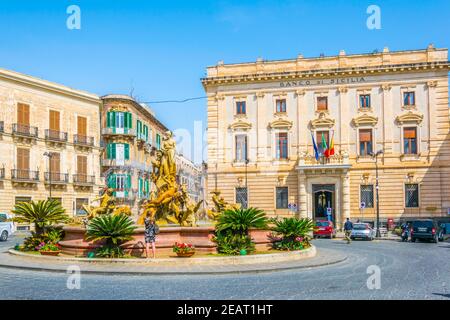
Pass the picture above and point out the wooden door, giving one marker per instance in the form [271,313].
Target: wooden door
[54,124]
[23,118]
[23,163]
[55,166]
[82,168]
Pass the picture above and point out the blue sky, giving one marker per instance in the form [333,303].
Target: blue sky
[162,48]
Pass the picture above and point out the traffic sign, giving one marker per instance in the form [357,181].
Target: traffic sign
[362,205]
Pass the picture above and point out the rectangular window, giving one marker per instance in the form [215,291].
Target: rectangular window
[409,98]
[79,202]
[241,107]
[55,166]
[322,103]
[22,199]
[365,142]
[54,121]
[23,159]
[410,140]
[242,197]
[364,101]
[158,141]
[367,195]
[282,145]
[319,140]
[23,114]
[412,195]
[282,197]
[82,165]
[241,147]
[120,120]
[281,105]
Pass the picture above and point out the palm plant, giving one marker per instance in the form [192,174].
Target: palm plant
[113,229]
[294,232]
[241,220]
[42,214]
[232,229]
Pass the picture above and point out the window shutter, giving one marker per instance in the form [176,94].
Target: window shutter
[409,133]
[130,120]
[113,119]
[127,151]
[128,181]
[146,133]
[113,150]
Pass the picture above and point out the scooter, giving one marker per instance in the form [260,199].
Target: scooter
[405,235]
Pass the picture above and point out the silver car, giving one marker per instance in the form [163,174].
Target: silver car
[362,231]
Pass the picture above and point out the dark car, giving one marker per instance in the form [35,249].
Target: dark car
[424,230]
[444,233]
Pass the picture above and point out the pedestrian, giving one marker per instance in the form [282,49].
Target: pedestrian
[151,229]
[348,227]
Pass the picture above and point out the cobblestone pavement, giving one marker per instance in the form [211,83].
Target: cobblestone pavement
[408,271]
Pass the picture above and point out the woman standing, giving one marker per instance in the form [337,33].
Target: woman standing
[151,229]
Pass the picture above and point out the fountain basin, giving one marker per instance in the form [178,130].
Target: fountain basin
[75,243]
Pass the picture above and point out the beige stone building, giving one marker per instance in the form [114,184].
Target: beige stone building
[268,112]
[49,142]
[130,131]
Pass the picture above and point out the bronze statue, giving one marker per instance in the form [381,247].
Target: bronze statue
[107,206]
[220,205]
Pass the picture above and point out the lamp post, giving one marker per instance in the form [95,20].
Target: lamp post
[377,187]
[246,181]
[49,155]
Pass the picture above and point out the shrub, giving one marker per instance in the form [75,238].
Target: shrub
[292,233]
[48,247]
[114,230]
[51,236]
[42,214]
[232,229]
[183,247]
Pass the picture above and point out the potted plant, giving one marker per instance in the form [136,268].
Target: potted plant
[48,249]
[183,249]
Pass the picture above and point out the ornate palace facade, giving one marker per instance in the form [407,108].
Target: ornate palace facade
[262,118]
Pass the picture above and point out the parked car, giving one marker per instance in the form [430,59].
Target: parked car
[7,227]
[362,231]
[444,232]
[425,229]
[324,228]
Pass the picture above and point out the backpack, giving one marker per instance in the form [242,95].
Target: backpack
[156,229]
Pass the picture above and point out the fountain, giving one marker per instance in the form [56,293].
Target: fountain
[171,207]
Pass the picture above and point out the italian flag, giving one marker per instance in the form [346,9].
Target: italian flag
[328,151]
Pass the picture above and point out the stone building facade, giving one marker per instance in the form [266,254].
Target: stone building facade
[49,142]
[191,175]
[130,131]
[267,112]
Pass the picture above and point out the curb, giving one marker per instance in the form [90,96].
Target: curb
[256,269]
[204,261]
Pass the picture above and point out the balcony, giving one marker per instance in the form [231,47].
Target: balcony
[83,141]
[56,178]
[115,163]
[55,136]
[126,132]
[25,176]
[83,179]
[23,130]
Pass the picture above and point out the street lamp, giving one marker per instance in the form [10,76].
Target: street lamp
[377,187]
[246,181]
[49,155]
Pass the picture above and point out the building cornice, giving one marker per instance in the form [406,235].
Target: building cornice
[41,84]
[325,73]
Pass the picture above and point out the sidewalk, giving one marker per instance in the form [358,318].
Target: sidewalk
[324,257]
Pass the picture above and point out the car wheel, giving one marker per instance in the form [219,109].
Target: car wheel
[331,236]
[4,236]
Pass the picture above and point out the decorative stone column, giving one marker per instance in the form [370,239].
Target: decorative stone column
[345,200]
[261,127]
[302,122]
[344,134]
[302,195]
[387,116]
[431,114]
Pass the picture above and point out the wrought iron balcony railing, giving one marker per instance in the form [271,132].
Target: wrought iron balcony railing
[83,179]
[119,131]
[24,130]
[55,135]
[83,140]
[56,177]
[24,175]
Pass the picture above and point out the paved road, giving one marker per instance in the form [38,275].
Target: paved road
[408,271]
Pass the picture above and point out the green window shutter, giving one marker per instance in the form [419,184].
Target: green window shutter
[146,187]
[113,119]
[128,181]
[113,150]
[130,120]
[112,183]
[138,128]
[146,133]
[127,151]
[108,119]
[108,151]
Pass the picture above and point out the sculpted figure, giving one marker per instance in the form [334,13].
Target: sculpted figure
[107,204]
[220,205]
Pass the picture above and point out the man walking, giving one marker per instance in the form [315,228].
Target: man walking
[348,227]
